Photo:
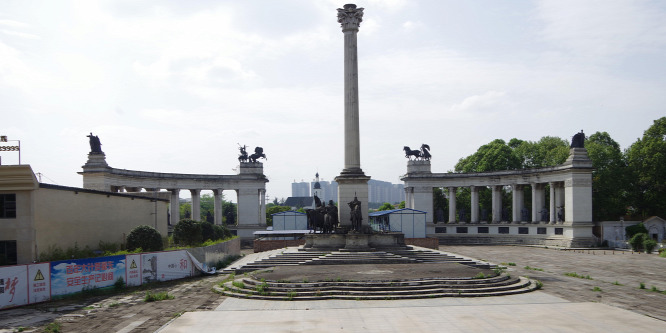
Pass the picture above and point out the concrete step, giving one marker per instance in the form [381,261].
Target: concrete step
[495,286]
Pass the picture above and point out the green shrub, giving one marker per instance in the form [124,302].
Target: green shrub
[649,244]
[160,296]
[636,241]
[208,231]
[187,232]
[145,237]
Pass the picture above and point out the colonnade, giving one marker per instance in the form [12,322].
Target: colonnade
[536,215]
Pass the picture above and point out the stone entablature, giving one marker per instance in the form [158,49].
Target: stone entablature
[249,184]
[570,186]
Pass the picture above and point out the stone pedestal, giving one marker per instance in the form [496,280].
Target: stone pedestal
[354,242]
[350,186]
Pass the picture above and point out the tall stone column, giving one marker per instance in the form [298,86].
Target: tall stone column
[262,201]
[352,182]
[174,206]
[217,206]
[497,203]
[552,203]
[452,205]
[517,204]
[474,194]
[537,201]
[196,204]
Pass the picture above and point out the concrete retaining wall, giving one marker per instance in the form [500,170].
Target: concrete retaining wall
[267,245]
[211,255]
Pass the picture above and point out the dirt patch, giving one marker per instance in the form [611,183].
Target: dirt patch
[370,272]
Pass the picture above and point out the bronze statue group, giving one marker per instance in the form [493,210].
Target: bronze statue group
[324,218]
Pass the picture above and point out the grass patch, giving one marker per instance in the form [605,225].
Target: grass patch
[262,289]
[238,284]
[617,283]
[539,284]
[291,294]
[155,297]
[596,289]
[576,275]
[533,268]
[481,276]
[655,289]
[114,304]
[641,285]
[509,263]
[53,327]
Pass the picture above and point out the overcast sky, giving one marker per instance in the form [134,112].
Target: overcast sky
[174,86]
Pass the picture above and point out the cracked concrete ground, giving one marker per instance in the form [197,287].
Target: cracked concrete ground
[127,312]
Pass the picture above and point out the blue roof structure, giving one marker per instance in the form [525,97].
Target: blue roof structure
[406,210]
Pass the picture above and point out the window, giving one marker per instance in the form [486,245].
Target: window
[483,230]
[559,231]
[8,252]
[523,230]
[7,206]
[440,230]
[503,230]
[461,230]
[541,231]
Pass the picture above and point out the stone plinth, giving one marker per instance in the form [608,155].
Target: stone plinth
[96,162]
[354,241]
[418,166]
[350,186]
[256,168]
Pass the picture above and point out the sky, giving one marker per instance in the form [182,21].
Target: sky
[176,86]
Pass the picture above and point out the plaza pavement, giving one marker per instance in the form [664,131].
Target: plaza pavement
[566,304]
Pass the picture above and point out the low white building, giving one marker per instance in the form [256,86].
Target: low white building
[614,232]
[411,222]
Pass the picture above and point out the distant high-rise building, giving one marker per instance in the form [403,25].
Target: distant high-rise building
[381,191]
[301,189]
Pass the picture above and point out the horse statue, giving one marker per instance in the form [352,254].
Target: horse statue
[409,153]
[258,153]
[243,153]
[425,152]
[578,140]
[319,219]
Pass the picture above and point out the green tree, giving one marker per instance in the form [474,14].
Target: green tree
[273,210]
[185,209]
[496,155]
[144,237]
[647,159]
[187,232]
[610,178]
[402,204]
[548,151]
[386,206]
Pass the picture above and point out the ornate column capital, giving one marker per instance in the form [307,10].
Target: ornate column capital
[350,17]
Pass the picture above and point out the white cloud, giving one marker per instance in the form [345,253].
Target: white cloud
[479,103]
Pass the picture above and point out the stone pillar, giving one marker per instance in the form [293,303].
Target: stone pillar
[248,206]
[553,217]
[474,214]
[350,19]
[196,204]
[409,197]
[517,203]
[217,193]
[537,201]
[423,201]
[578,198]
[352,182]
[262,201]
[452,204]
[174,206]
[497,203]
[559,199]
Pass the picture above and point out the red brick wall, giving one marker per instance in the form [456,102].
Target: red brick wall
[267,245]
[431,243]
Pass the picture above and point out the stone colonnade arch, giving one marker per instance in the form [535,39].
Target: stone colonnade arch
[569,220]
[249,184]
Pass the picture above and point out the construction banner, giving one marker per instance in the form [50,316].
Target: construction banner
[13,286]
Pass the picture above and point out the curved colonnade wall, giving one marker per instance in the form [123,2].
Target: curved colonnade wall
[565,220]
[249,184]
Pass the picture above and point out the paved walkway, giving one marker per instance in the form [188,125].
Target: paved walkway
[533,312]
[566,304]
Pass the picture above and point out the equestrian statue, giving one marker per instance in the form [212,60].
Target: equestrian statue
[423,154]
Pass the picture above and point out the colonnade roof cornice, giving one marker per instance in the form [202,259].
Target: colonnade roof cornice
[184,176]
[494,174]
